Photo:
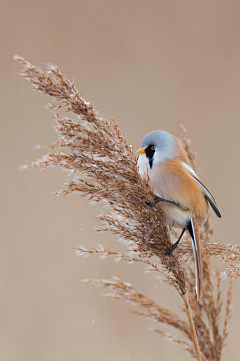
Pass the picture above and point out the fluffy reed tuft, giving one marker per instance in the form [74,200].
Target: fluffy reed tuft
[104,169]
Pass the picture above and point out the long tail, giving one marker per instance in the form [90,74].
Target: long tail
[197,259]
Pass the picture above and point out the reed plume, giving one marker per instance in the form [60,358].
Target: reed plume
[104,168]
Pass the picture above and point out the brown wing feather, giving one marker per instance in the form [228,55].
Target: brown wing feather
[208,196]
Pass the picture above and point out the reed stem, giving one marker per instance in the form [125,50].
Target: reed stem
[192,327]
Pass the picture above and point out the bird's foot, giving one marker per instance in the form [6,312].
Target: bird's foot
[174,246]
[158,199]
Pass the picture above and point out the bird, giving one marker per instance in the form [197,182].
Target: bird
[182,196]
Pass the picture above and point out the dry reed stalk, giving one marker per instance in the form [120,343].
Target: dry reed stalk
[192,327]
[105,168]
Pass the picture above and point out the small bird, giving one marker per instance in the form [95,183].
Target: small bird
[183,198]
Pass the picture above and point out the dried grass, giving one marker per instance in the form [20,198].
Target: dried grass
[104,169]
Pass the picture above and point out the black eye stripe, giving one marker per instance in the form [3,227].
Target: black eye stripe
[149,151]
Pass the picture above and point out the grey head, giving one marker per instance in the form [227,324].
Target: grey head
[159,146]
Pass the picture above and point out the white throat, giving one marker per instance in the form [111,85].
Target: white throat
[143,165]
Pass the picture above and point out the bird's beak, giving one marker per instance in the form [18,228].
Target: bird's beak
[140,151]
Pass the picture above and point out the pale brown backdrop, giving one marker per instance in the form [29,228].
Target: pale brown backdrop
[150,65]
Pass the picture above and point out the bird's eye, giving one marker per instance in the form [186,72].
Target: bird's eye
[153,147]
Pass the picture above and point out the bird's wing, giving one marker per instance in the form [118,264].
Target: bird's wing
[208,196]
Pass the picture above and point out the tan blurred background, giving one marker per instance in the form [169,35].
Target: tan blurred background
[149,65]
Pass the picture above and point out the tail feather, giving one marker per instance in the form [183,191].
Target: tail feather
[197,258]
